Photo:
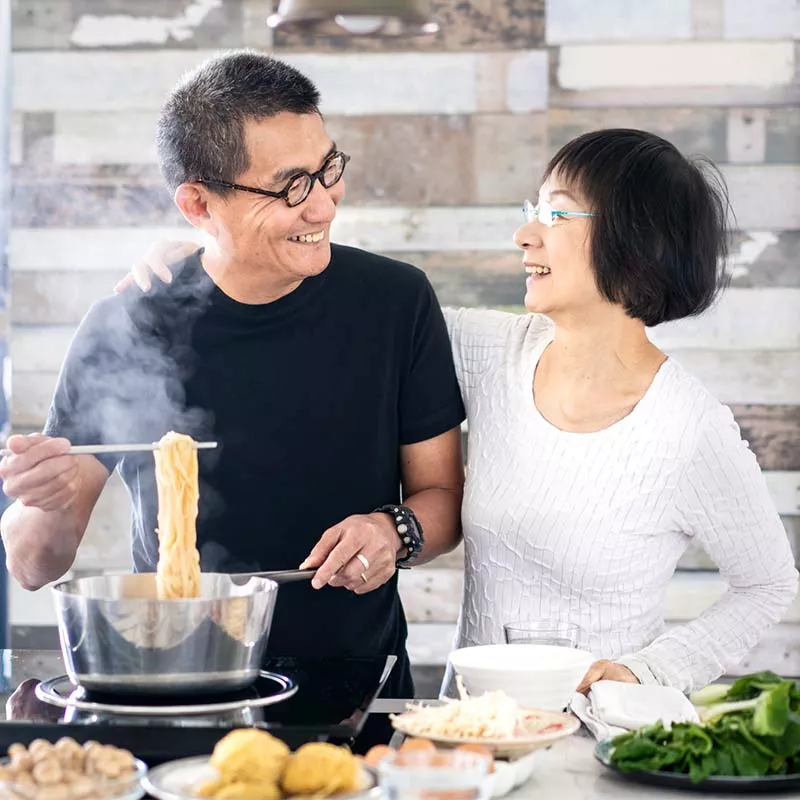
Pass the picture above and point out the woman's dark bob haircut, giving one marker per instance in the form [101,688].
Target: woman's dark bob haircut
[659,242]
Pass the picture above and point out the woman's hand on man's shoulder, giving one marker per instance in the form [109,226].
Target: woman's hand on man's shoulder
[157,261]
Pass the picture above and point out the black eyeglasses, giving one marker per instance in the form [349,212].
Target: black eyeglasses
[299,186]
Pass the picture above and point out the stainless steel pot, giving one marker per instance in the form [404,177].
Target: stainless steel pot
[118,637]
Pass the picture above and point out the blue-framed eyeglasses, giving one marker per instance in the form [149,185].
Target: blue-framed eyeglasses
[547,215]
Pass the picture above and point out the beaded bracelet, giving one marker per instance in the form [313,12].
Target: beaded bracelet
[408,529]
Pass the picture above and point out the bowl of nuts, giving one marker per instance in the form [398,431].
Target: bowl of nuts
[68,770]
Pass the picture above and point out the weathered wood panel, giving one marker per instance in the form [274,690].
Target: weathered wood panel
[782,140]
[30,396]
[109,169]
[774,19]
[773,433]
[680,64]
[742,319]
[735,135]
[87,249]
[691,130]
[58,298]
[356,83]
[15,140]
[41,24]
[569,21]
[100,137]
[453,560]
[64,24]
[746,186]
[747,135]
[483,25]
[748,377]
[107,543]
[707,19]
[152,24]
[662,97]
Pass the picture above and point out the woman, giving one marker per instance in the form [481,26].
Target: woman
[594,458]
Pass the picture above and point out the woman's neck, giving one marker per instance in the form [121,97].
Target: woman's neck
[594,372]
[599,347]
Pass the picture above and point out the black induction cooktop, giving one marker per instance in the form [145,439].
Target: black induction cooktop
[331,704]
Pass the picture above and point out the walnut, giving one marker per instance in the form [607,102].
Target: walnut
[47,771]
[69,752]
[82,787]
[21,762]
[56,792]
[108,768]
[39,748]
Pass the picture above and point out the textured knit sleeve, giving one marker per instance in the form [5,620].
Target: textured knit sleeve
[479,338]
[722,499]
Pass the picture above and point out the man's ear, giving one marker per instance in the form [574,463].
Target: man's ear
[192,200]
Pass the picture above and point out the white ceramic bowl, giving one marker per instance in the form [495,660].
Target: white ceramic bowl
[535,675]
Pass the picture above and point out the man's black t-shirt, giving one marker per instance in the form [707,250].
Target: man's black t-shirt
[310,398]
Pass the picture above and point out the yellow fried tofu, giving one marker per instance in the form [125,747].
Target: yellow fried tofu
[321,769]
[243,790]
[250,755]
[208,788]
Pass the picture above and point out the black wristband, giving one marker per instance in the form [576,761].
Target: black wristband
[408,529]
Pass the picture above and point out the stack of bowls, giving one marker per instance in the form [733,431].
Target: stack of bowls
[535,675]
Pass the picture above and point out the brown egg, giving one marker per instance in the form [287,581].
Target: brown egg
[479,748]
[376,753]
[412,744]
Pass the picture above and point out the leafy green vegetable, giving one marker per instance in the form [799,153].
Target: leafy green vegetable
[750,728]
[708,695]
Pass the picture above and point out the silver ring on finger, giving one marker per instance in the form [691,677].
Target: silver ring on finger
[364,578]
[364,561]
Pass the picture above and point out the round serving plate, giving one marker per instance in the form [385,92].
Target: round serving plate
[558,725]
[175,780]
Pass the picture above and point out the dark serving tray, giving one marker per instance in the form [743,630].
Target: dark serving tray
[714,784]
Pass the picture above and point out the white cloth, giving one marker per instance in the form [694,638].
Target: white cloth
[612,707]
[588,528]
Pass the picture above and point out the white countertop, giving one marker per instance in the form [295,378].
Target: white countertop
[569,771]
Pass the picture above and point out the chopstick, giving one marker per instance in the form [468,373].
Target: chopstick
[92,449]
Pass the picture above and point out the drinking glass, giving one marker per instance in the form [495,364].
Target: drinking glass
[561,634]
[435,775]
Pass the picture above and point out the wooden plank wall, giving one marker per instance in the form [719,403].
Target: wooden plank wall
[448,136]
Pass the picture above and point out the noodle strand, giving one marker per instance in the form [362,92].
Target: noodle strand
[178,570]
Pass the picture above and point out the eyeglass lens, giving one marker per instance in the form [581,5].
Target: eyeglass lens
[301,186]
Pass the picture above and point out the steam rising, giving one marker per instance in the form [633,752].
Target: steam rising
[123,382]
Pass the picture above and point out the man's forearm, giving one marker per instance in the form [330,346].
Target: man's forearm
[439,513]
[40,545]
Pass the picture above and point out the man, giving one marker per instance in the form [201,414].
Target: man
[324,373]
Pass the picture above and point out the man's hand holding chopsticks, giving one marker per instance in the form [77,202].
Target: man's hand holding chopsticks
[39,472]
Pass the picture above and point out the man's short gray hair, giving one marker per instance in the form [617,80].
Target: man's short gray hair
[201,127]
